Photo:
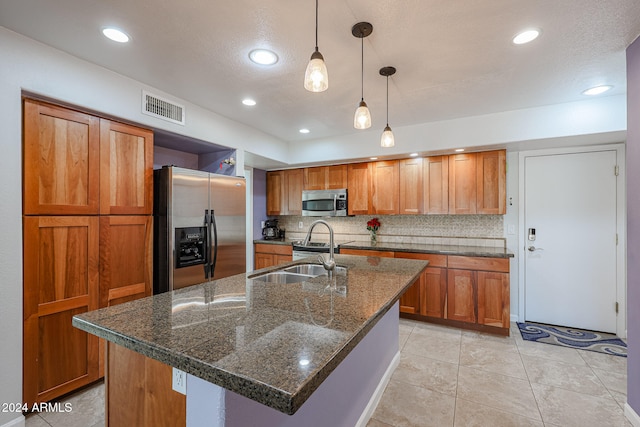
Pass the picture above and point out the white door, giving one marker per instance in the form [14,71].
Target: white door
[570,267]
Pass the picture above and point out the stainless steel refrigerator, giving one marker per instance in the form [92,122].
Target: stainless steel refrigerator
[199,227]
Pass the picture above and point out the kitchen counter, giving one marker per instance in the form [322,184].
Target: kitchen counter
[460,250]
[249,336]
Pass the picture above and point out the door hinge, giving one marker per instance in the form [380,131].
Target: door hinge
[616,308]
[616,170]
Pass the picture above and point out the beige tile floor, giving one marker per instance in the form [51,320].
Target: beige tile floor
[449,377]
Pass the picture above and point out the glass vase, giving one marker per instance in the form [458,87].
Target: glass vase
[374,238]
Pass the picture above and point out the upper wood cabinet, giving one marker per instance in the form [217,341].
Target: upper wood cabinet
[477,183]
[284,192]
[436,185]
[491,182]
[294,181]
[358,188]
[61,161]
[78,164]
[462,184]
[325,177]
[385,179]
[411,186]
[276,194]
[126,169]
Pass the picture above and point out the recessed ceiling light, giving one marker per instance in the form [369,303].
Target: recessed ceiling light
[115,34]
[248,101]
[263,57]
[597,90]
[459,150]
[373,158]
[526,36]
[413,154]
[304,130]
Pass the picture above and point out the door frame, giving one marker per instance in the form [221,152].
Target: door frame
[621,226]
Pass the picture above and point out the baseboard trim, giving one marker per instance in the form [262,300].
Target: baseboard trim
[515,318]
[631,415]
[17,422]
[377,395]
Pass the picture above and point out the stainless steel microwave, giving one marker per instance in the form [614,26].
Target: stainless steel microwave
[324,202]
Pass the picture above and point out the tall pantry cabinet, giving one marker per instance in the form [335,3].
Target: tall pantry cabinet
[87,238]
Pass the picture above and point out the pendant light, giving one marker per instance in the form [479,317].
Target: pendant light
[387,140]
[316,77]
[362,118]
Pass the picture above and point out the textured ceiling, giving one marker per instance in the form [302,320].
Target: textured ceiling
[454,58]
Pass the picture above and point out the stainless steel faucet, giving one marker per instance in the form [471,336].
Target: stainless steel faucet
[329,265]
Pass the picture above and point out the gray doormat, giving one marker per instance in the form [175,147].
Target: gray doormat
[574,338]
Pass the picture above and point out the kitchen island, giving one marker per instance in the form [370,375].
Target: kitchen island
[314,352]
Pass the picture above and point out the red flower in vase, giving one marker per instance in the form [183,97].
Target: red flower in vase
[373,224]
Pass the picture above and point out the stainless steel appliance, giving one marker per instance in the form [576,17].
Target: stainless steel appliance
[324,202]
[271,231]
[199,227]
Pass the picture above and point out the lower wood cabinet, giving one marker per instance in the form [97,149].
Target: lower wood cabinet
[138,391]
[60,281]
[463,291]
[268,255]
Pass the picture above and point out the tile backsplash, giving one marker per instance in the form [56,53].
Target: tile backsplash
[463,230]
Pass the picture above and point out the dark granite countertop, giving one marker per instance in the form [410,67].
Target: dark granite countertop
[249,336]
[461,250]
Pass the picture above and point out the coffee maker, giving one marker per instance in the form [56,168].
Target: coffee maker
[271,231]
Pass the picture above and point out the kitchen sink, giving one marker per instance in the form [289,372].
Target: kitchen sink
[313,270]
[298,273]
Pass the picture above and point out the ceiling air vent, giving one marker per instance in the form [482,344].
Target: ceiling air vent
[161,108]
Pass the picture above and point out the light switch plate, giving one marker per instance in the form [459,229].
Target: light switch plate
[179,382]
[511,229]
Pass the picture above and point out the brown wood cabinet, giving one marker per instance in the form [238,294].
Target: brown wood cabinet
[358,188]
[470,292]
[294,181]
[325,177]
[385,180]
[61,280]
[61,161]
[126,169]
[491,182]
[125,258]
[436,185]
[276,194]
[411,184]
[462,184]
[268,255]
[284,192]
[136,381]
[79,166]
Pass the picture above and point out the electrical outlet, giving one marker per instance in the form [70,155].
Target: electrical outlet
[179,382]
[300,224]
[262,224]
[511,229]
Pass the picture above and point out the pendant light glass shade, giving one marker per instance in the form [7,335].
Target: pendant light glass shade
[316,77]
[362,119]
[387,139]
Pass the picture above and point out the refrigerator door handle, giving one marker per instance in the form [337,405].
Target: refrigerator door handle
[215,242]
[207,255]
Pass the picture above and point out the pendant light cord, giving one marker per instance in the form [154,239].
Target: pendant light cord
[316,25]
[362,67]
[387,101]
